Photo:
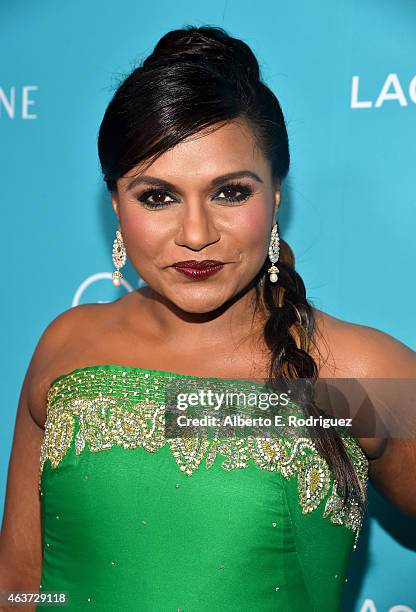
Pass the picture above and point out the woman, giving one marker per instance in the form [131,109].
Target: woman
[193,148]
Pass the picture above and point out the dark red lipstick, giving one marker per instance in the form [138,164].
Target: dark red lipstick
[198,269]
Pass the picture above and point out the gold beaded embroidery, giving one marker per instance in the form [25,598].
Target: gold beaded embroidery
[124,407]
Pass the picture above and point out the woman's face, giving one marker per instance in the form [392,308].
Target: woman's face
[199,216]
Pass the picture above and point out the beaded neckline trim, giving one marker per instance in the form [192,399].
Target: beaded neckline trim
[97,407]
[108,366]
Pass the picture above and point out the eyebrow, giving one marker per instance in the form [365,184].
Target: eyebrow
[151,180]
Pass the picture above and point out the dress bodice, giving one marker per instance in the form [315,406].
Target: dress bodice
[135,520]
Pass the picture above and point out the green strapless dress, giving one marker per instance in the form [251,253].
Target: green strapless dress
[136,521]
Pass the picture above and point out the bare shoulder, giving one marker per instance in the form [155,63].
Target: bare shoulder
[81,336]
[347,349]
[57,351]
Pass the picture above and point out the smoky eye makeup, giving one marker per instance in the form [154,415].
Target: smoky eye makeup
[232,192]
[244,190]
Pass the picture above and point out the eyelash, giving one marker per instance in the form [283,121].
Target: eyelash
[243,188]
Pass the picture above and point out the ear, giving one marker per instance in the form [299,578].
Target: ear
[276,201]
[115,203]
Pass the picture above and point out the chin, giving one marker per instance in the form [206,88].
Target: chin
[198,301]
[198,306]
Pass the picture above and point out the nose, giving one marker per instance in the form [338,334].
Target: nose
[196,227]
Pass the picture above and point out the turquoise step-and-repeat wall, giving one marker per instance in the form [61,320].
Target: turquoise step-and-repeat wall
[345,74]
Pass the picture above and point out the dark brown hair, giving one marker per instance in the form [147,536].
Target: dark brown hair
[197,77]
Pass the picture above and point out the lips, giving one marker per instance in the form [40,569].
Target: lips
[198,270]
[198,265]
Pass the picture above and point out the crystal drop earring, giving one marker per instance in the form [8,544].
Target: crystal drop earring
[274,254]
[119,258]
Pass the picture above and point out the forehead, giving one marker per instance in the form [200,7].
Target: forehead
[211,152]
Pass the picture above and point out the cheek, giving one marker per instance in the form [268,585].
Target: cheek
[141,232]
[253,227]
[144,234]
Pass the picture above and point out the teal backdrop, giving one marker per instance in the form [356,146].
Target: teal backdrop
[345,74]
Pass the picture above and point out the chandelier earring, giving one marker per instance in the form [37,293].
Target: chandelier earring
[119,258]
[274,254]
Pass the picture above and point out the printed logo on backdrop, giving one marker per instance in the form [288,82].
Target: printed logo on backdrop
[392,90]
[97,287]
[18,102]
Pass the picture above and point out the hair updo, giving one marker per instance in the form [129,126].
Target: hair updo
[195,78]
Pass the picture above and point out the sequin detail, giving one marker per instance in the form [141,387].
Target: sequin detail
[97,407]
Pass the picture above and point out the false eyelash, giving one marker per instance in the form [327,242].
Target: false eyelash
[244,188]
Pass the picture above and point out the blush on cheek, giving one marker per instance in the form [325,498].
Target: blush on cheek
[253,224]
[141,230]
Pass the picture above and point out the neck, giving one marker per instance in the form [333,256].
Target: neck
[230,324]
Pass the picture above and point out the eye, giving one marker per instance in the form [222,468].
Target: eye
[243,189]
[226,194]
[152,193]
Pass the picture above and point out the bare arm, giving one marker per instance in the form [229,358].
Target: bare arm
[393,473]
[21,536]
[363,352]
